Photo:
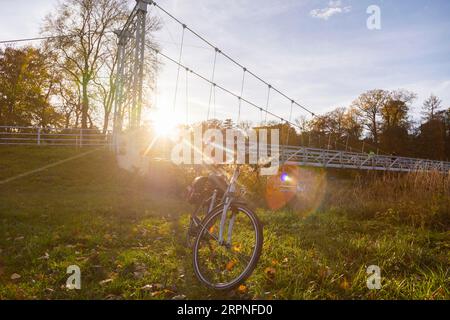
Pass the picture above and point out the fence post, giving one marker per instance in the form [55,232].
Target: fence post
[39,136]
[81,137]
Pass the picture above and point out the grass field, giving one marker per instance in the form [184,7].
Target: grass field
[128,240]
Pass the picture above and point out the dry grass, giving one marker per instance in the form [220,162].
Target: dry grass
[419,199]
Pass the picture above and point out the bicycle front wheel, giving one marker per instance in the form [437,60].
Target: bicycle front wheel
[224,266]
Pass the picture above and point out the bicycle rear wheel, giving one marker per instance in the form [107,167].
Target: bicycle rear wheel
[225,266]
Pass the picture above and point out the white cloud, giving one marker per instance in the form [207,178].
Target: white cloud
[334,7]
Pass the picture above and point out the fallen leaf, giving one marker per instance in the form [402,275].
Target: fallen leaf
[179,297]
[46,256]
[270,272]
[242,289]
[152,287]
[230,265]
[106,281]
[158,286]
[15,276]
[345,284]
[147,287]
[237,248]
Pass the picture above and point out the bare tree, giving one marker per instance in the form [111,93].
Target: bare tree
[69,94]
[80,29]
[369,106]
[106,77]
[431,107]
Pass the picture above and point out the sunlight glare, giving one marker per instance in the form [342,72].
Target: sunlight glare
[164,123]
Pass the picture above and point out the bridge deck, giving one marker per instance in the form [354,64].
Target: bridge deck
[351,160]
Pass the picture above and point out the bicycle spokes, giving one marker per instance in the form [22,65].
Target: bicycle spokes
[221,262]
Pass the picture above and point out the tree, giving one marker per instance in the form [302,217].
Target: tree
[394,112]
[304,127]
[106,90]
[337,128]
[369,106]
[445,116]
[27,86]
[353,128]
[432,140]
[431,106]
[394,137]
[79,30]
[69,102]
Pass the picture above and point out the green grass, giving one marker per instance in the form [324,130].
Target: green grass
[117,227]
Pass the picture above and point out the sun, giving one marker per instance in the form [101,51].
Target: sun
[164,122]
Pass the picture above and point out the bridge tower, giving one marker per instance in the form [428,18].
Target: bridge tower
[132,37]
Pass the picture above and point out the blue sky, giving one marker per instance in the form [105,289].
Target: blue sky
[320,52]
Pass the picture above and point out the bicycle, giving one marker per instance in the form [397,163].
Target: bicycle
[227,241]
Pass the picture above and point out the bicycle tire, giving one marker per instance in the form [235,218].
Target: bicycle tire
[256,251]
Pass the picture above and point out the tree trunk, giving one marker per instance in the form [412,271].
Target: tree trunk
[375,131]
[84,105]
[106,122]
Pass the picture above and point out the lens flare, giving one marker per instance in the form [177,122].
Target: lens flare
[285,177]
[299,188]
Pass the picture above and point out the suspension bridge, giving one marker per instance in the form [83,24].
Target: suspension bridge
[133,49]
[133,37]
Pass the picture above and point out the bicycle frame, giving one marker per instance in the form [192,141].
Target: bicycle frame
[212,235]
[228,200]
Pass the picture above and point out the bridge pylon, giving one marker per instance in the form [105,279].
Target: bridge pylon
[129,81]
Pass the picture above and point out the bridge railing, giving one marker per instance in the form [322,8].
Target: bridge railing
[352,160]
[31,136]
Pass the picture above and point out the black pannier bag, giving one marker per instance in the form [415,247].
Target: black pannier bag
[203,187]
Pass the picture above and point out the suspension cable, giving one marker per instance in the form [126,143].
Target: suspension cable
[214,102]
[198,75]
[212,83]
[156,83]
[268,100]
[179,66]
[187,96]
[290,119]
[241,95]
[233,60]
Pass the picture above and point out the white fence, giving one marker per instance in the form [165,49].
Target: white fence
[31,136]
[292,155]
